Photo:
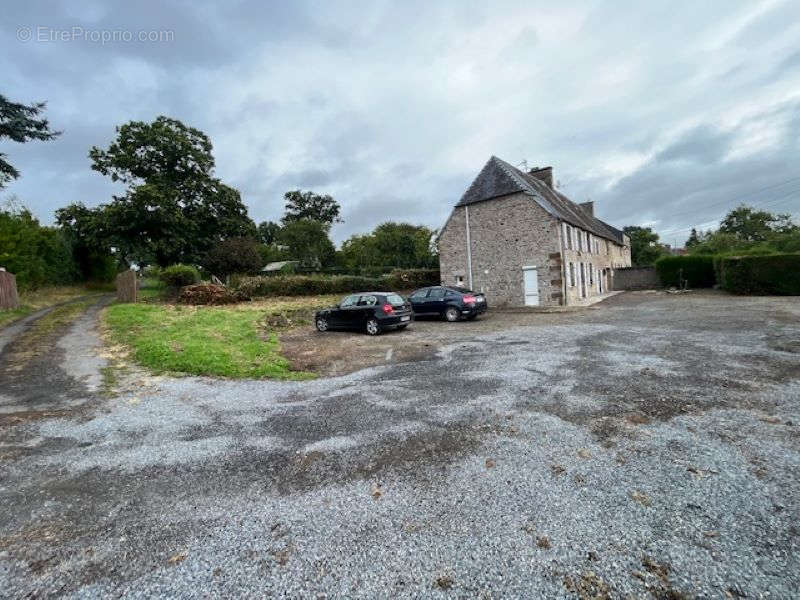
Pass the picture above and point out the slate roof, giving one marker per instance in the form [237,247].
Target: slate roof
[498,178]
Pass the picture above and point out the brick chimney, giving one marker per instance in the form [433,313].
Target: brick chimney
[588,208]
[544,174]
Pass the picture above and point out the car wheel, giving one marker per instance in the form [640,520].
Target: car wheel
[451,314]
[322,324]
[372,327]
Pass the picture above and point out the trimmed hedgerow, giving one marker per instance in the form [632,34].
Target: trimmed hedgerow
[310,285]
[768,274]
[176,276]
[409,279]
[697,270]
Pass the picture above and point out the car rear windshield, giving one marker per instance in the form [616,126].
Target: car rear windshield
[461,290]
[395,300]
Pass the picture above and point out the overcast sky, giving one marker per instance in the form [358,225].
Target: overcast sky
[664,113]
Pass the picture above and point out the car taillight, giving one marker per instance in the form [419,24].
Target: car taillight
[469,299]
[388,309]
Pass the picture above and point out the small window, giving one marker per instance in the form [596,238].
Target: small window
[460,280]
[591,275]
[349,301]
[588,242]
[436,293]
[572,274]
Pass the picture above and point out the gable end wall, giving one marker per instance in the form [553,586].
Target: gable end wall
[507,234]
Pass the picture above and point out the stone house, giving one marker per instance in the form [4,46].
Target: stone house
[515,238]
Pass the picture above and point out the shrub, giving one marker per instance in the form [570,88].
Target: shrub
[209,293]
[406,279]
[235,255]
[151,272]
[697,269]
[310,285]
[176,276]
[770,274]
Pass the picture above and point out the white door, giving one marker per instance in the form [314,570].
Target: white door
[531,280]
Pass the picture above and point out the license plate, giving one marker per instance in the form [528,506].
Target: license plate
[405,318]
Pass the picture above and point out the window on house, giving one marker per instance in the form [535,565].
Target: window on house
[591,275]
[572,274]
[459,280]
[588,242]
[568,236]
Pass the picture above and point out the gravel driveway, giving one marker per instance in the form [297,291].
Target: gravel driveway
[648,448]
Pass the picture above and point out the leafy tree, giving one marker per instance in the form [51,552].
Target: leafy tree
[307,241]
[745,230]
[37,255]
[174,211]
[85,229]
[751,225]
[21,123]
[694,239]
[391,245]
[645,247]
[268,232]
[234,255]
[165,151]
[311,206]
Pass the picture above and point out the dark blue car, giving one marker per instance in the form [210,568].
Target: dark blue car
[450,303]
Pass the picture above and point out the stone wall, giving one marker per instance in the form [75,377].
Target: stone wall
[507,234]
[636,278]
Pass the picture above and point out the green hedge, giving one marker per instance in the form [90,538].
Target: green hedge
[176,276]
[310,285]
[697,269]
[411,279]
[769,274]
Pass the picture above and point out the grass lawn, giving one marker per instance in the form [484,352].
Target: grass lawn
[33,300]
[238,341]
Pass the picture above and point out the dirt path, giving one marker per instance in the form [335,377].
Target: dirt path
[49,362]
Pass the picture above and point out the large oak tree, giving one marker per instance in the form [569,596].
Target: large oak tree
[174,210]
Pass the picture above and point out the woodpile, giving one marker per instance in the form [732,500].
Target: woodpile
[209,293]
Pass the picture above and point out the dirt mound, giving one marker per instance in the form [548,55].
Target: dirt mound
[209,293]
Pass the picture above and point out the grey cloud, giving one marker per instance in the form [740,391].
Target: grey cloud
[393,108]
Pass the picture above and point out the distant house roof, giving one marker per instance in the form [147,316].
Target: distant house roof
[277,266]
[498,178]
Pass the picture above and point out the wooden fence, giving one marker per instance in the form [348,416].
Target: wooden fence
[8,291]
[127,285]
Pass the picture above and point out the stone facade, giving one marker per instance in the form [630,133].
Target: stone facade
[589,262]
[506,234]
[510,222]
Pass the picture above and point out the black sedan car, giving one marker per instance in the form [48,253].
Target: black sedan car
[371,312]
[452,303]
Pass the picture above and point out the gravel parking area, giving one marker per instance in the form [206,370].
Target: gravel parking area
[647,447]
